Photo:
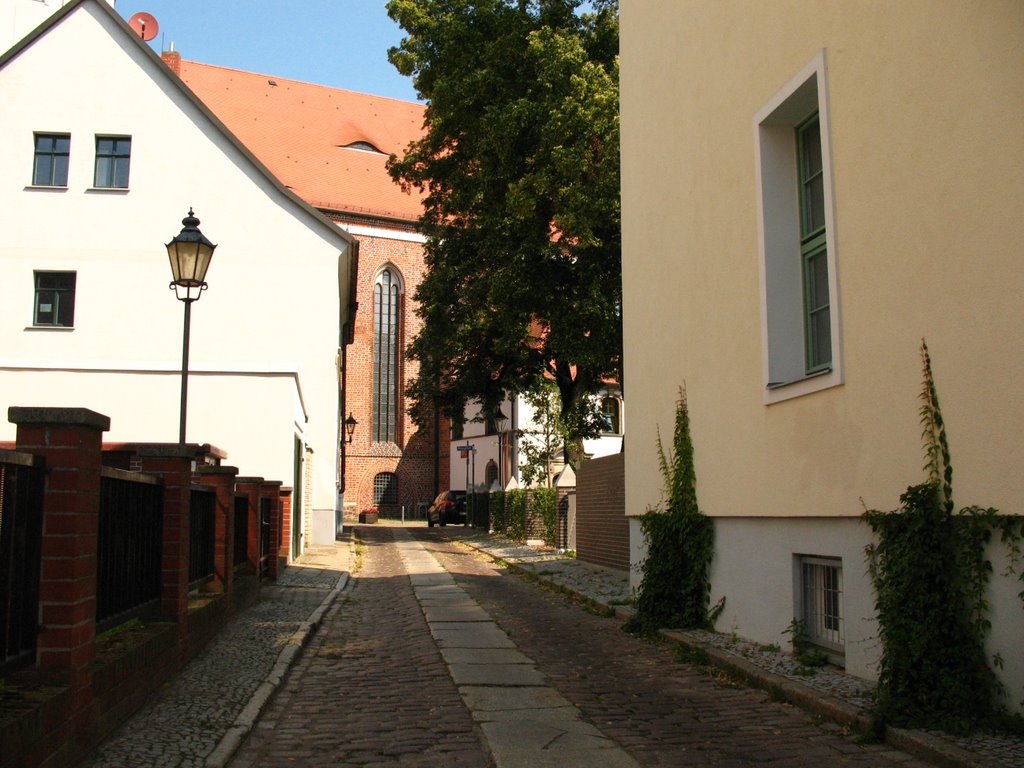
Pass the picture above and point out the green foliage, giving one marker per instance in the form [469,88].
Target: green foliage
[676,588]
[805,651]
[539,447]
[515,515]
[931,577]
[496,507]
[544,504]
[519,166]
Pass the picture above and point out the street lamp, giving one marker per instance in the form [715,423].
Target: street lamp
[500,422]
[350,426]
[190,253]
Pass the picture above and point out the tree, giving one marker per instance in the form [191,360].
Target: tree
[539,446]
[519,166]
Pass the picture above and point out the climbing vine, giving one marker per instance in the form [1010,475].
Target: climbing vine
[931,578]
[676,590]
[545,506]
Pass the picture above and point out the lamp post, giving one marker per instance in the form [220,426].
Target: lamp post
[350,426]
[190,254]
[500,422]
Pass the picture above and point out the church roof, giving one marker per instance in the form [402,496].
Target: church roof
[327,145]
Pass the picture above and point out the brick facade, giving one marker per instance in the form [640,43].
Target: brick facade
[602,534]
[419,458]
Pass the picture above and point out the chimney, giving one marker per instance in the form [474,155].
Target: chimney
[173,60]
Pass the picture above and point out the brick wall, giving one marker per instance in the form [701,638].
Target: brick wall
[420,457]
[602,529]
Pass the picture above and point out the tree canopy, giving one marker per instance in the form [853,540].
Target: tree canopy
[519,165]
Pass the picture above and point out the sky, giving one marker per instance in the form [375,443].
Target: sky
[338,43]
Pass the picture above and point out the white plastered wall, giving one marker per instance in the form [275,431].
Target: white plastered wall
[268,327]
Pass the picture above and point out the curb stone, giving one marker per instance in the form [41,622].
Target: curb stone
[933,748]
[246,719]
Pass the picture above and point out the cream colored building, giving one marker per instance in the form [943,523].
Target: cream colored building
[105,152]
[797,337]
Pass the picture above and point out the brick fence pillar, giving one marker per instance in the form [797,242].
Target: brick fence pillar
[222,480]
[71,440]
[251,488]
[285,494]
[271,490]
[173,464]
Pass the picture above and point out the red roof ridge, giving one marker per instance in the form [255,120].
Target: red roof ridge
[279,79]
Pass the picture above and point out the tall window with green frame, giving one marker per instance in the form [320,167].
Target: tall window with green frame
[385,358]
[814,248]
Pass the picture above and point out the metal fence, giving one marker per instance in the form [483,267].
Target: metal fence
[202,533]
[129,546]
[241,540]
[21,531]
[265,553]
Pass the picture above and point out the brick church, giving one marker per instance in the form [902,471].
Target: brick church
[330,146]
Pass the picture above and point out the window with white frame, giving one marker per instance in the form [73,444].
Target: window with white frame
[800,318]
[54,299]
[821,601]
[50,159]
[611,415]
[113,159]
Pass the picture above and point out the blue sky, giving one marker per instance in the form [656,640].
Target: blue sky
[340,43]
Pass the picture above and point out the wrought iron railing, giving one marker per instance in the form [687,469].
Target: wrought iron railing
[266,507]
[201,539]
[241,538]
[129,546]
[21,531]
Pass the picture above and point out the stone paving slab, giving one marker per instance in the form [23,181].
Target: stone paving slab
[470,635]
[830,693]
[458,612]
[504,675]
[486,701]
[483,656]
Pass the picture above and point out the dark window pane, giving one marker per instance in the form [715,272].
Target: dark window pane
[50,164]
[113,158]
[385,359]
[385,489]
[55,299]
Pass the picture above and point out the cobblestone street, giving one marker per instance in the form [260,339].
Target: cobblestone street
[373,687]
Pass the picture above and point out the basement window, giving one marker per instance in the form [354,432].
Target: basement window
[821,598]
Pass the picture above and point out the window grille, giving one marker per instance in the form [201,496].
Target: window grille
[385,489]
[822,594]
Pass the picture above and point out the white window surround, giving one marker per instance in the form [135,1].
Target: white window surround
[782,316]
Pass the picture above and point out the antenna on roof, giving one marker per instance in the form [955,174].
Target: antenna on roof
[144,25]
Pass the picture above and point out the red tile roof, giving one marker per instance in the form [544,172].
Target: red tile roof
[300,131]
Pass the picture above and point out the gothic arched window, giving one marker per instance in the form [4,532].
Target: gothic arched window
[385,357]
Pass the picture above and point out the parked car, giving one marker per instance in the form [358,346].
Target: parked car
[448,507]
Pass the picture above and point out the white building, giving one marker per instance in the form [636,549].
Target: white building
[497,455]
[106,152]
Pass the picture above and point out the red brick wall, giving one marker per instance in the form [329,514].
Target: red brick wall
[602,529]
[420,457]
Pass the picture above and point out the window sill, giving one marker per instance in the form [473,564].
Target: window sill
[106,190]
[58,328]
[816,374]
[46,188]
[776,392]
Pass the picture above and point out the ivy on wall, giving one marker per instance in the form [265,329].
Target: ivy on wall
[676,590]
[931,579]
